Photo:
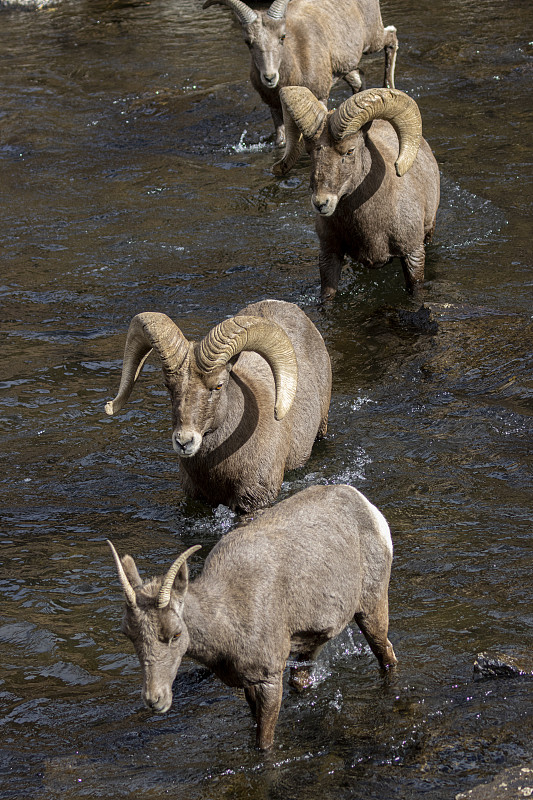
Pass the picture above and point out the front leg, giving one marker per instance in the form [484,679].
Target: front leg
[268,703]
[277,118]
[330,265]
[413,269]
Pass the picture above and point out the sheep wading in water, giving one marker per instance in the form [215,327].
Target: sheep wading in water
[281,586]
[305,43]
[372,202]
[248,400]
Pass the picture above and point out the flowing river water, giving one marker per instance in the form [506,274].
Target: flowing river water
[135,175]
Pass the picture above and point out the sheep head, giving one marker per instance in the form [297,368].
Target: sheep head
[264,35]
[153,621]
[197,374]
[335,140]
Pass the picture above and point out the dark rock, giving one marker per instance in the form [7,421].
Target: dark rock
[515,783]
[501,665]
[421,320]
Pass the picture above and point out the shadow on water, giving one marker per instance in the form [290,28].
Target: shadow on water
[135,164]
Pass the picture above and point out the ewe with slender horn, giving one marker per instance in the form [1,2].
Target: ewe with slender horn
[328,543]
[163,598]
[248,400]
[307,43]
[373,204]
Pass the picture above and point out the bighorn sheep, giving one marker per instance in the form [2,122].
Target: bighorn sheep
[307,43]
[372,203]
[238,421]
[284,584]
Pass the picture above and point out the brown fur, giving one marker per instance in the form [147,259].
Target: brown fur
[284,584]
[245,450]
[324,40]
[378,215]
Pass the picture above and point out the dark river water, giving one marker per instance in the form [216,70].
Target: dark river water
[135,175]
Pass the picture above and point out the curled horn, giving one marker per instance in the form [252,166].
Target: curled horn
[278,9]
[129,591]
[229,338]
[396,107]
[308,113]
[148,331]
[244,13]
[163,599]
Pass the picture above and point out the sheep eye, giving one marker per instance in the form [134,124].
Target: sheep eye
[282,38]
[217,388]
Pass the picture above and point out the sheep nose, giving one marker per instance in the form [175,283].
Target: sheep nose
[270,79]
[186,443]
[324,205]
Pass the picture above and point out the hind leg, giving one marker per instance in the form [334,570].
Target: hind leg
[374,625]
[376,636]
[413,268]
[267,696]
[390,46]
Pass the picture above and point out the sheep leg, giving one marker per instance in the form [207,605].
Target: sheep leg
[293,149]
[413,269]
[300,674]
[390,45]
[374,628]
[330,265]
[277,118]
[268,703]
[323,429]
[355,80]
[249,693]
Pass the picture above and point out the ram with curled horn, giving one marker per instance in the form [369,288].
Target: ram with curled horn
[248,400]
[374,180]
[278,587]
[309,43]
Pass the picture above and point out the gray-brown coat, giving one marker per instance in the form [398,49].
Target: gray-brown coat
[281,586]
[309,43]
[248,401]
[372,204]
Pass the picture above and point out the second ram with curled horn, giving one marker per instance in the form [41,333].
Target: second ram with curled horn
[248,400]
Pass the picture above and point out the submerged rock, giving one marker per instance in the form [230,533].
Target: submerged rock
[511,784]
[501,665]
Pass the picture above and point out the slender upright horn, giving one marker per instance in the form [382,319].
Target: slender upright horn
[147,331]
[229,338]
[129,591]
[278,9]
[163,598]
[308,113]
[244,13]
[396,107]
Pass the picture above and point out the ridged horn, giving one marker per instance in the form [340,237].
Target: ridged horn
[163,598]
[147,331]
[244,13]
[278,9]
[129,591]
[308,113]
[229,338]
[396,107]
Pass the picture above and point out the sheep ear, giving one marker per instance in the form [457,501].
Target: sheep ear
[132,573]
[181,581]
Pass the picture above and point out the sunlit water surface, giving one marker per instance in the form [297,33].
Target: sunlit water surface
[135,175]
